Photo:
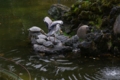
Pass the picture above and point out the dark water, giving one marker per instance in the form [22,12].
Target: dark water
[16,16]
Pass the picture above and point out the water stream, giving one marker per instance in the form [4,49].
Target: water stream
[16,16]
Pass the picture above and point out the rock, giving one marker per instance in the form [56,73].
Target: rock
[90,13]
[59,44]
[62,49]
[53,39]
[114,11]
[82,31]
[62,38]
[41,36]
[90,36]
[87,48]
[40,41]
[55,50]
[71,41]
[76,45]
[57,10]
[33,40]
[35,31]
[85,44]
[116,27]
[48,44]
[74,38]
[98,37]
[39,48]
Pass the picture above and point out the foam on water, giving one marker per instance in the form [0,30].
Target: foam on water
[111,73]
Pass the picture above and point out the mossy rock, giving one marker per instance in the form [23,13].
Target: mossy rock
[93,12]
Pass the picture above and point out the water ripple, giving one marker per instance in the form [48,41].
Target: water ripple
[67,68]
[64,69]
[37,66]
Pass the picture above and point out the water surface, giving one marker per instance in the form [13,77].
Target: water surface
[16,16]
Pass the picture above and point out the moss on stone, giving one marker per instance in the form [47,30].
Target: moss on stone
[91,12]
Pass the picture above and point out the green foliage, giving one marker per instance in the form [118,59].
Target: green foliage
[65,34]
[91,12]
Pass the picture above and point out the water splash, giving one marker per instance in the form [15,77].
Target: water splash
[111,73]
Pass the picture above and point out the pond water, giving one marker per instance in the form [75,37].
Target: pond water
[16,16]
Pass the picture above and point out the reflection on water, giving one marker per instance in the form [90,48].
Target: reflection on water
[16,16]
[50,68]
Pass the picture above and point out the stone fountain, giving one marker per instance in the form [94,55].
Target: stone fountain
[53,42]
